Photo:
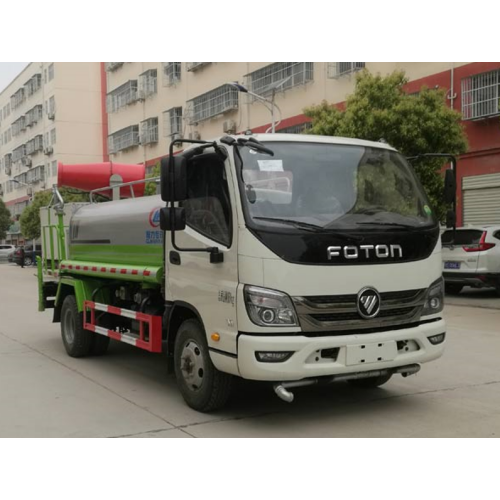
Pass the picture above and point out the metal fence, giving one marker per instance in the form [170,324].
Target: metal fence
[122,96]
[280,76]
[336,69]
[172,122]
[148,83]
[149,131]
[213,103]
[480,95]
[171,73]
[123,139]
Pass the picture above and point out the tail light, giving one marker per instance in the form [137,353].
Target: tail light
[481,246]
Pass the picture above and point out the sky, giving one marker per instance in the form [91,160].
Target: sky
[8,71]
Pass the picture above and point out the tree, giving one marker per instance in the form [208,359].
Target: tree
[380,108]
[5,220]
[30,218]
[150,188]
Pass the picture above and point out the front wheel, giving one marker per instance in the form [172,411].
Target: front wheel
[203,387]
[371,382]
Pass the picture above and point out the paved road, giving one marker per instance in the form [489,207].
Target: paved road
[43,392]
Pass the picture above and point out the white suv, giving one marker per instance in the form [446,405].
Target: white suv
[5,251]
[472,258]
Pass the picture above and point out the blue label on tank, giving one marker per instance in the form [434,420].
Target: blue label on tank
[154,237]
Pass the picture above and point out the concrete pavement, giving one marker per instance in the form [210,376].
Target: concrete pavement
[45,393]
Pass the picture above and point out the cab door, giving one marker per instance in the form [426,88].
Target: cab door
[211,222]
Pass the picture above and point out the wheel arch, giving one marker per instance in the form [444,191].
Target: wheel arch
[179,312]
[71,286]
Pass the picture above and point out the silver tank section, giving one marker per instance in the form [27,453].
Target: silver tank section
[122,232]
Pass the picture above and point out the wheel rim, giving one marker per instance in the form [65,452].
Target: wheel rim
[192,365]
[69,326]
[27,262]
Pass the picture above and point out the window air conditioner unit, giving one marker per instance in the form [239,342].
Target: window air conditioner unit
[28,162]
[8,170]
[48,150]
[196,136]
[29,191]
[229,127]
[51,116]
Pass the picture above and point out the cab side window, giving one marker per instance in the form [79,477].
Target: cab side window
[497,235]
[208,208]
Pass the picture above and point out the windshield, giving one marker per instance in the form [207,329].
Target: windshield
[329,187]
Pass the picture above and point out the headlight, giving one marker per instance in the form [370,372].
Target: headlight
[269,308]
[434,301]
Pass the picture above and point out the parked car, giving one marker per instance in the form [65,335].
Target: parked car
[5,250]
[29,257]
[472,258]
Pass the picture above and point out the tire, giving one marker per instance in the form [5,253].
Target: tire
[453,289]
[28,261]
[371,382]
[76,340]
[203,387]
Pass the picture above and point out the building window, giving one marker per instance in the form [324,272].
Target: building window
[33,84]
[17,98]
[7,136]
[50,108]
[51,72]
[149,131]
[18,126]
[195,66]
[53,136]
[213,103]
[34,145]
[148,83]
[123,139]
[302,128]
[6,110]
[19,153]
[280,76]
[112,66]
[172,122]
[336,69]
[34,115]
[171,73]
[54,168]
[480,95]
[36,174]
[122,96]
[7,163]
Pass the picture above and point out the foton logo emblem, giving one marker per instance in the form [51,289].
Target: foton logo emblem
[353,252]
[368,303]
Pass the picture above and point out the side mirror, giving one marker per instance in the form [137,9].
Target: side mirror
[451,219]
[179,165]
[179,222]
[450,187]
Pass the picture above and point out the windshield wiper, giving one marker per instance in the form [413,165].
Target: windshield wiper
[296,223]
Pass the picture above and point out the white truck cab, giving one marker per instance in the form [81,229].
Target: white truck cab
[325,262]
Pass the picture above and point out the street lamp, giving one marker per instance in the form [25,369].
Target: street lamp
[268,103]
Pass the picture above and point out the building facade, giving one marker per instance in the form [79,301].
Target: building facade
[50,113]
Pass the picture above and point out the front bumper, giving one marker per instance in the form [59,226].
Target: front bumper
[477,280]
[307,360]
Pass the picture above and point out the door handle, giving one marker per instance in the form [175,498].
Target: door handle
[175,258]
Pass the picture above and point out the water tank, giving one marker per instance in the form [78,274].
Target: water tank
[119,232]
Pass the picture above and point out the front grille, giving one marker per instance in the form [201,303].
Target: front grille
[340,312]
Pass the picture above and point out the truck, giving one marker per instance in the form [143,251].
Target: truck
[292,259]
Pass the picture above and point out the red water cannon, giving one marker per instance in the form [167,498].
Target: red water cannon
[90,176]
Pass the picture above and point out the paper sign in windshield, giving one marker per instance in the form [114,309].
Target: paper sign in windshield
[270,165]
